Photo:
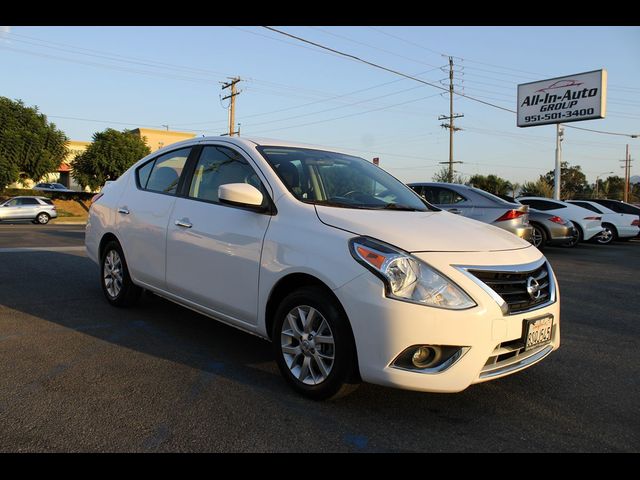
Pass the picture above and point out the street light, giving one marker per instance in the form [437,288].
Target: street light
[597,177]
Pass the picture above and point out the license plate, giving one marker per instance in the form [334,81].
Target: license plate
[537,332]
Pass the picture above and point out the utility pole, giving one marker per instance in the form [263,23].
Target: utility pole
[232,105]
[627,174]
[450,117]
[557,178]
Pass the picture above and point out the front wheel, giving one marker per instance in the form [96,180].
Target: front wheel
[115,280]
[313,345]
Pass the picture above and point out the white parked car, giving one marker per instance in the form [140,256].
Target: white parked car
[617,226]
[348,272]
[586,222]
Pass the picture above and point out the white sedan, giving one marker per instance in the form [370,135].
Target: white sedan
[616,225]
[348,272]
[588,223]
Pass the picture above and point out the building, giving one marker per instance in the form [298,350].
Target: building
[155,140]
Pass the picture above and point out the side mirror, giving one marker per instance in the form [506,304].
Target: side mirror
[241,195]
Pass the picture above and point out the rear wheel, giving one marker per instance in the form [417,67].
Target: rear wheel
[313,345]
[115,280]
[43,218]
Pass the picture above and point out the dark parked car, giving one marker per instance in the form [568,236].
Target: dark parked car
[51,187]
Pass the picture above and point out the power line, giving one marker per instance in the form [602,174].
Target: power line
[375,65]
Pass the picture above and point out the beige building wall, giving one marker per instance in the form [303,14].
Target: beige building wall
[156,139]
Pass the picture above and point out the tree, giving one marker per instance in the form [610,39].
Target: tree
[442,175]
[492,184]
[572,181]
[537,189]
[29,144]
[612,187]
[109,156]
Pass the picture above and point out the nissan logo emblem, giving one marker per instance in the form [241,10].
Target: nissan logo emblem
[533,288]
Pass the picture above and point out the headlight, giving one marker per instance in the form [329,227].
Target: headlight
[407,278]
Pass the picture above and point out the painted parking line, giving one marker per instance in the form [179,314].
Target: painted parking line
[42,249]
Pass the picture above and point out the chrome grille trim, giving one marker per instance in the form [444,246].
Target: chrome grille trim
[516,363]
[513,269]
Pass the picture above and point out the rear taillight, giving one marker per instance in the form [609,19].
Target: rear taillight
[592,218]
[510,215]
[559,220]
[636,223]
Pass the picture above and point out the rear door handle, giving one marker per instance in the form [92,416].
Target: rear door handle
[454,210]
[183,224]
[123,210]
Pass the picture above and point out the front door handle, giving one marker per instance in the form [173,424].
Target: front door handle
[123,210]
[183,224]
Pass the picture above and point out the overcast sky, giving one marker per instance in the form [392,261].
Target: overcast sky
[89,78]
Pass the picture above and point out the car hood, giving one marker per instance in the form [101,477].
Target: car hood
[422,231]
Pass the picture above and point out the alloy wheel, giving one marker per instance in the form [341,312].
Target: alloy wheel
[307,345]
[112,273]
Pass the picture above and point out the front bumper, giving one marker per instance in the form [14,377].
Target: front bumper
[383,328]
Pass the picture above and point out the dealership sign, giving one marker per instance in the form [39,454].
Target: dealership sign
[563,99]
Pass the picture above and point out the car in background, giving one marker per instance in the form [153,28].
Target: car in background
[618,206]
[617,226]
[37,209]
[586,222]
[548,229]
[51,187]
[478,205]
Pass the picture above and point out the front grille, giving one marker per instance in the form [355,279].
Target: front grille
[512,287]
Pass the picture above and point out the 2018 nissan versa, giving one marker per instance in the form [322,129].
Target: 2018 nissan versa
[349,273]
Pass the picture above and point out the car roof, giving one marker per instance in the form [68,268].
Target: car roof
[249,142]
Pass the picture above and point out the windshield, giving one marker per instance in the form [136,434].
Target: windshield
[339,180]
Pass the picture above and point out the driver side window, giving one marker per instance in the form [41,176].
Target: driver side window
[220,166]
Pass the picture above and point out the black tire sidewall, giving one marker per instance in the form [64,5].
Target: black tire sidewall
[344,362]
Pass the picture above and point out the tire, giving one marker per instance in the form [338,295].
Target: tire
[116,283]
[539,236]
[577,239]
[607,236]
[42,218]
[318,371]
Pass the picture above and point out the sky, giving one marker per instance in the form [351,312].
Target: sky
[87,79]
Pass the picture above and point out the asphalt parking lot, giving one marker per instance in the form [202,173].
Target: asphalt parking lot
[79,375]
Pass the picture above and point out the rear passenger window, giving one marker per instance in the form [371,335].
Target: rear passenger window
[28,201]
[163,174]
[220,166]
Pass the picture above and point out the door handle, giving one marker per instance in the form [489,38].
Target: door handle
[183,224]
[123,210]
[454,210]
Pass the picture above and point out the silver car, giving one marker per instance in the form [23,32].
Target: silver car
[37,209]
[52,187]
[479,205]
